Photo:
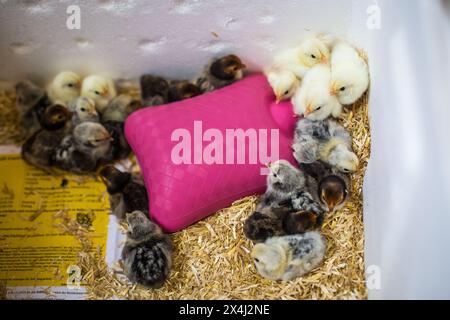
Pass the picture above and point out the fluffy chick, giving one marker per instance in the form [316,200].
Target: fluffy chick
[289,257]
[286,187]
[100,89]
[119,108]
[271,222]
[83,150]
[182,89]
[64,87]
[330,185]
[83,110]
[221,72]
[313,100]
[39,148]
[299,60]
[125,187]
[154,90]
[349,73]
[147,254]
[27,96]
[324,140]
[283,82]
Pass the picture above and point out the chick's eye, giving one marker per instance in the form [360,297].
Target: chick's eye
[342,88]
[70,85]
[83,109]
[97,92]
[286,92]
[313,56]
[318,108]
[256,259]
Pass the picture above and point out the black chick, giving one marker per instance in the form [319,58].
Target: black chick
[273,222]
[147,254]
[327,184]
[127,192]
[39,149]
[182,89]
[221,72]
[31,101]
[154,90]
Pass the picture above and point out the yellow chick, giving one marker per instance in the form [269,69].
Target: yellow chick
[349,73]
[300,59]
[313,100]
[64,87]
[100,89]
[283,82]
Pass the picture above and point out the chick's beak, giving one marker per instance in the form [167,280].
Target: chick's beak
[324,59]
[308,110]
[333,90]
[268,164]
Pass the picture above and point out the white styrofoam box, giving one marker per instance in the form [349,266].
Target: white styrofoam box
[171,38]
[407,184]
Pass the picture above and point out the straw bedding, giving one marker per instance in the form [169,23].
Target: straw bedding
[212,260]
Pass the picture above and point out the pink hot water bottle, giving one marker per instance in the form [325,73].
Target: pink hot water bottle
[201,154]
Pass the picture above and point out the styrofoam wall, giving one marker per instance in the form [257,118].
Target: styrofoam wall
[407,184]
[172,38]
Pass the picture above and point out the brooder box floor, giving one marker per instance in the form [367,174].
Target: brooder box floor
[212,259]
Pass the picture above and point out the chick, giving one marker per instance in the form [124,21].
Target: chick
[119,108]
[331,186]
[64,87]
[271,222]
[324,140]
[289,257]
[313,100]
[300,59]
[83,109]
[349,74]
[83,150]
[127,191]
[283,82]
[100,89]
[147,254]
[182,89]
[286,187]
[154,90]
[38,149]
[113,118]
[221,72]
[27,96]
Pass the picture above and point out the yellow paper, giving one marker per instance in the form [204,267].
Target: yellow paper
[33,251]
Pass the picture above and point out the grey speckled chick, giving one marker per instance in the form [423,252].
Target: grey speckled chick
[27,97]
[127,191]
[39,148]
[84,149]
[289,257]
[324,140]
[147,254]
[83,110]
[271,222]
[220,73]
[286,187]
[154,90]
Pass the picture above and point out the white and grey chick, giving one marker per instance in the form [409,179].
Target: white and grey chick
[84,149]
[289,257]
[83,110]
[286,187]
[147,254]
[324,140]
